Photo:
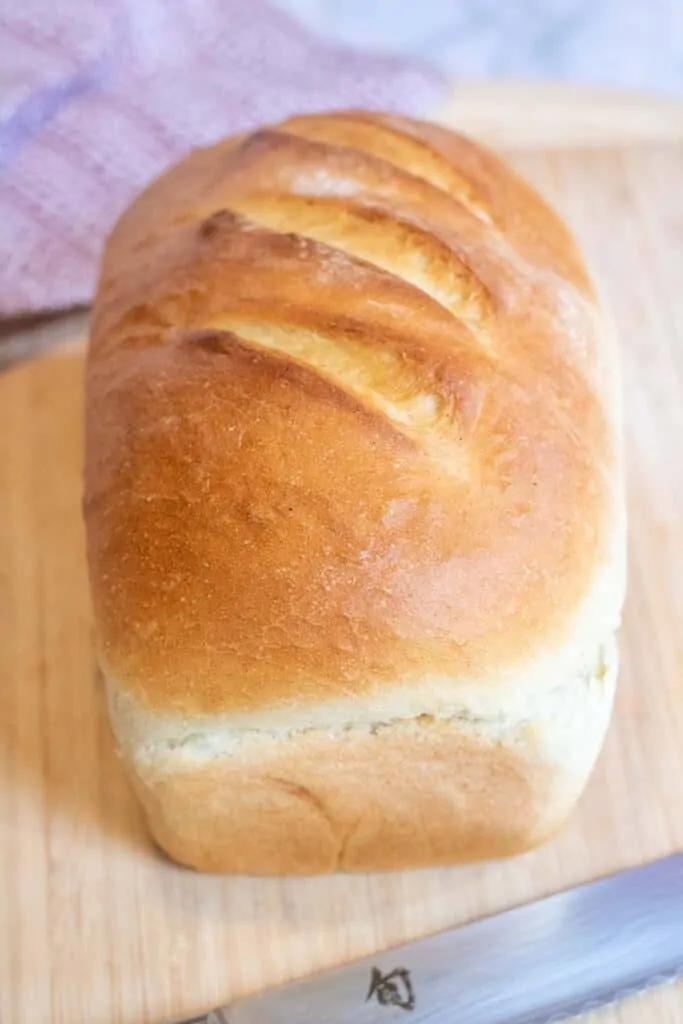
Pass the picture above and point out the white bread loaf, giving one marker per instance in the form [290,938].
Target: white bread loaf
[354,502]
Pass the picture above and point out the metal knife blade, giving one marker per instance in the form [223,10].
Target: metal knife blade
[536,964]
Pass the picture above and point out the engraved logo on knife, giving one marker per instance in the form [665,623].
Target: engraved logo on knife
[393,989]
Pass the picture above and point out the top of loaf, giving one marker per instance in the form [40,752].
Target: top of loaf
[350,421]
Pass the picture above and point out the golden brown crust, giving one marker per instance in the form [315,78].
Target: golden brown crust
[350,426]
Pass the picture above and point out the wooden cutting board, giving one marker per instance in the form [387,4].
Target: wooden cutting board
[96,927]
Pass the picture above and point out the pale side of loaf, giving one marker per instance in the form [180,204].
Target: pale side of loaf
[354,501]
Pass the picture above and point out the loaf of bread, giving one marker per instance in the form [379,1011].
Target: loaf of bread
[353,500]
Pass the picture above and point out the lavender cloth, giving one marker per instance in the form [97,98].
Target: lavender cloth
[96,98]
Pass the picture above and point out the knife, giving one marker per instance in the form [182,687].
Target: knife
[537,964]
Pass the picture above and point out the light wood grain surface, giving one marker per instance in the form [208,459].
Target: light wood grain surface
[95,926]
[554,115]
